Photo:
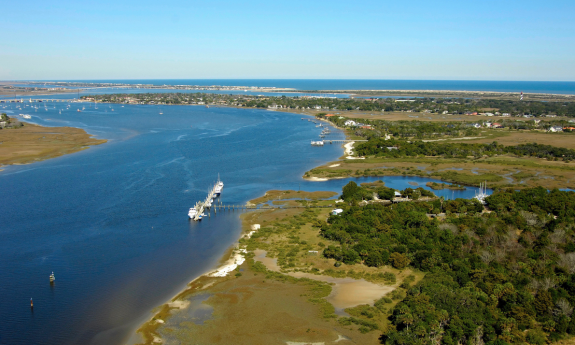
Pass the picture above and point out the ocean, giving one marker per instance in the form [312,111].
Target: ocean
[555,87]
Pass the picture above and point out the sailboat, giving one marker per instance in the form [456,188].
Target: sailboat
[482,193]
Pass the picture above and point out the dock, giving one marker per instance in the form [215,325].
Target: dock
[197,212]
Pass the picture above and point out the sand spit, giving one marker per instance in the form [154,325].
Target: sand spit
[235,260]
[349,151]
[348,148]
[334,165]
[317,179]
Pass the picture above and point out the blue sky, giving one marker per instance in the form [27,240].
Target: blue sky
[480,40]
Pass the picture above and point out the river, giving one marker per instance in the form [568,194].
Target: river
[111,221]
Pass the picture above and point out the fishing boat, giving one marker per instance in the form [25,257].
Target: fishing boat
[52,278]
[192,213]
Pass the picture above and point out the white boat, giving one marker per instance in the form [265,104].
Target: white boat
[192,213]
[27,116]
[218,187]
[482,193]
[317,143]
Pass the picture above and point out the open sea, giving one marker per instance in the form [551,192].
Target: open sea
[111,221]
[556,87]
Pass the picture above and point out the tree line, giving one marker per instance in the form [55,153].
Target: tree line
[400,148]
[506,276]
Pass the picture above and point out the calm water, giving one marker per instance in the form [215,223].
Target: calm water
[111,221]
[366,84]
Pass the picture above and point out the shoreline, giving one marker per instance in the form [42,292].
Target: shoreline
[345,292]
[228,262]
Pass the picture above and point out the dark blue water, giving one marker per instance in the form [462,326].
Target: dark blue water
[558,87]
[111,221]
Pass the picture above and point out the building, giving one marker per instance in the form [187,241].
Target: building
[337,212]
[350,123]
[554,129]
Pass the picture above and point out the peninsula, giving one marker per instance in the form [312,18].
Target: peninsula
[28,143]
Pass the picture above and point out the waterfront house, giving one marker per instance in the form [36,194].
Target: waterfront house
[336,212]
[350,123]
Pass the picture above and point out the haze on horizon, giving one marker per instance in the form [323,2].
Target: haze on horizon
[488,40]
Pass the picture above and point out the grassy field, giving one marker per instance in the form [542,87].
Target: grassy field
[509,138]
[33,143]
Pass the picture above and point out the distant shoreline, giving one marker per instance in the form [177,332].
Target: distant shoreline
[452,93]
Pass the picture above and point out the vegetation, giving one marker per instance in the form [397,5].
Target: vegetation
[401,148]
[10,122]
[503,277]
[427,105]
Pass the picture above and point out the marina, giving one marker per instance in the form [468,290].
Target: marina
[196,213]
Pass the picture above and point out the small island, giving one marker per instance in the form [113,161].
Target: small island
[441,186]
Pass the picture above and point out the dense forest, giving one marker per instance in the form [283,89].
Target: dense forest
[505,276]
[401,148]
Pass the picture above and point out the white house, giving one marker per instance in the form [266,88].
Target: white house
[337,211]
[350,123]
[554,129]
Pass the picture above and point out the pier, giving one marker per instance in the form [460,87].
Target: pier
[230,207]
[197,212]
